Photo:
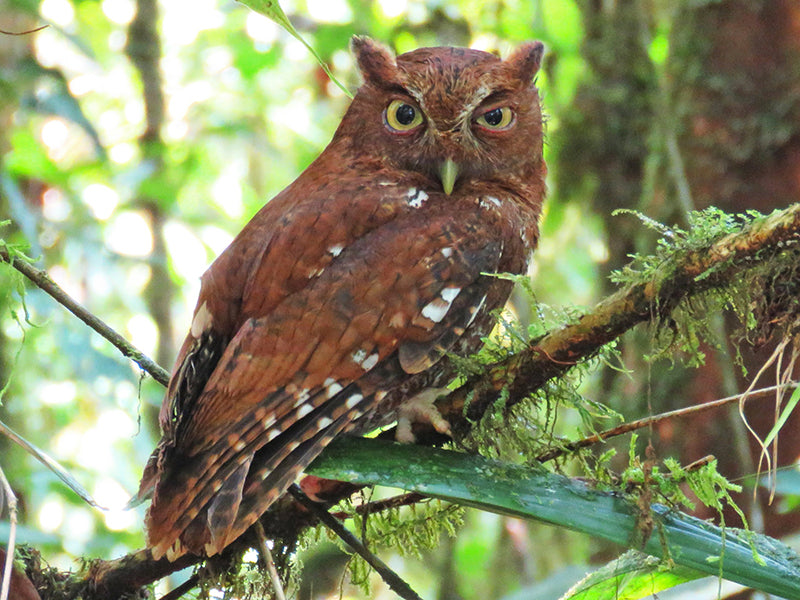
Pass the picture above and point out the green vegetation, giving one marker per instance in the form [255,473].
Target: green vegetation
[136,138]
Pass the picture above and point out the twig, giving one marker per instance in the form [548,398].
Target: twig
[51,464]
[42,280]
[269,563]
[381,505]
[392,579]
[179,591]
[27,32]
[647,421]
[12,534]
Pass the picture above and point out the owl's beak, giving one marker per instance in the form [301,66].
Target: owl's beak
[448,173]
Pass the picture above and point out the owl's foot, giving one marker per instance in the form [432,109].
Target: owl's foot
[420,409]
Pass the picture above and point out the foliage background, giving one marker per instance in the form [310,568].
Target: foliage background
[127,207]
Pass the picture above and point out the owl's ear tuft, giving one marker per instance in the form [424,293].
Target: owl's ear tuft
[375,61]
[524,62]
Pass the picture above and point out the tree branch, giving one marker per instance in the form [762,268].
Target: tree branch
[683,276]
[42,280]
[394,581]
[377,506]
[672,414]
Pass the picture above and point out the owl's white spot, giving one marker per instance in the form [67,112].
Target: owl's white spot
[304,410]
[202,321]
[332,387]
[336,249]
[353,400]
[362,360]
[447,252]
[416,198]
[292,446]
[380,395]
[239,446]
[316,272]
[437,309]
[489,202]
[301,397]
[449,294]
[324,422]
[269,421]
[371,361]
[272,434]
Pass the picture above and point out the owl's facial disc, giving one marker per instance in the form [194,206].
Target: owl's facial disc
[457,116]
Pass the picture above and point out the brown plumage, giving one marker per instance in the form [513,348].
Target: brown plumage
[340,298]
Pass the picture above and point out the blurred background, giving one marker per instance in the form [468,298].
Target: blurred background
[137,137]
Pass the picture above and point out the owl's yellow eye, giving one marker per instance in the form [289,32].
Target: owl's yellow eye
[496,119]
[401,116]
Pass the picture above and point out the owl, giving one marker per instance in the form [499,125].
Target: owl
[345,295]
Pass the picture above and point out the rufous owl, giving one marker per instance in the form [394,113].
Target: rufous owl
[344,295]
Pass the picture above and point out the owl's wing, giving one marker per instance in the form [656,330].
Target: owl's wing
[388,305]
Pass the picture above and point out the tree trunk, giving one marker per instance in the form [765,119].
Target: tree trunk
[716,122]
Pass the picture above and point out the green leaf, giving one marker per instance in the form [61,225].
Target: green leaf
[536,494]
[272,10]
[631,576]
[785,412]
[29,159]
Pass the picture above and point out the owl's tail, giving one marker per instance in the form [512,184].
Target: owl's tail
[204,504]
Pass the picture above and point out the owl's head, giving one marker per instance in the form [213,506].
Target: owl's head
[455,115]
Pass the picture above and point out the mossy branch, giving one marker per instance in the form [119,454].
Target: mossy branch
[682,276]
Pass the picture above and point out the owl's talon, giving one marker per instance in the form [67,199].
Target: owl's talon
[421,409]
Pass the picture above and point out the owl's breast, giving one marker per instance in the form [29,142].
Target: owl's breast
[512,222]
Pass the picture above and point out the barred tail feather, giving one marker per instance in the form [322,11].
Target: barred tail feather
[204,513]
